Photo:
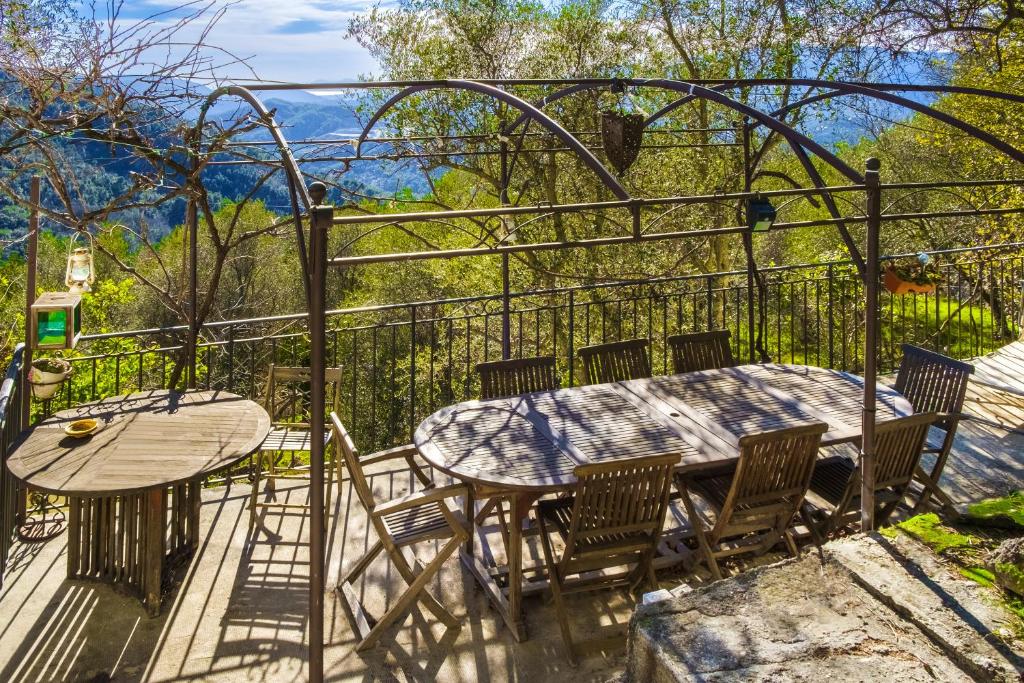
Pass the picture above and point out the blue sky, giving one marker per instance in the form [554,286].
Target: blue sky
[283,40]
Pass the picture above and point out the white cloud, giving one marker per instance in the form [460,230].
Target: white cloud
[282,40]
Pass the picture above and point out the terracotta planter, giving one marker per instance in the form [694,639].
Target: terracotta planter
[897,285]
[622,135]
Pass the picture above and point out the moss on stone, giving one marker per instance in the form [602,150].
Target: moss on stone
[1009,508]
[929,530]
[979,575]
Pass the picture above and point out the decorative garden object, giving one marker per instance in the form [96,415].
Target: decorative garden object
[46,377]
[56,320]
[911,276]
[760,214]
[622,134]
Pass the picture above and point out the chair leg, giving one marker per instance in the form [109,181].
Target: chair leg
[429,601]
[409,596]
[787,536]
[360,566]
[805,514]
[698,529]
[555,582]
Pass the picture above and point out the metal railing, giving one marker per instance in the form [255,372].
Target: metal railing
[10,427]
[403,361]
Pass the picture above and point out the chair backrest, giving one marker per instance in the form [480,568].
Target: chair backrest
[771,480]
[933,383]
[701,351]
[286,396]
[503,378]
[898,447]
[346,451]
[616,361]
[620,500]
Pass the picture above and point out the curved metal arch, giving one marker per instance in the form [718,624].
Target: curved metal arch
[792,136]
[296,188]
[856,89]
[528,109]
[713,94]
[290,166]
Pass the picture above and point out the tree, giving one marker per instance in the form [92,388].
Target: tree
[122,94]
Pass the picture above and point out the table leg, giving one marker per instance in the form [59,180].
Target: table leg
[515,565]
[74,535]
[152,543]
[194,501]
[469,509]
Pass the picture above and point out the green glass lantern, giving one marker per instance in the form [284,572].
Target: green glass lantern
[56,321]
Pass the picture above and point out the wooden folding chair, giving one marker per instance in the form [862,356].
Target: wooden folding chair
[616,361]
[286,400]
[834,499]
[934,383]
[503,378]
[612,520]
[701,351]
[420,516]
[756,499]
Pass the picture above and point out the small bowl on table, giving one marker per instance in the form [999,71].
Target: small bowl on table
[82,428]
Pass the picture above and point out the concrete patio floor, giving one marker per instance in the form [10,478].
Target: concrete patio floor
[238,611]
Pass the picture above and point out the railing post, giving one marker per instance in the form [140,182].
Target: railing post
[571,341]
[873,203]
[412,371]
[320,219]
[831,275]
[506,312]
[231,359]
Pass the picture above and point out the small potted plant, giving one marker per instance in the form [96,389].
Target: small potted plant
[47,375]
[622,134]
[911,276]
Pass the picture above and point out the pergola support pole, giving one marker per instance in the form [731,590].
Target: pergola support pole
[192,223]
[748,239]
[31,268]
[873,204]
[321,218]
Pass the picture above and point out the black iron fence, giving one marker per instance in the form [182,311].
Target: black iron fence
[10,427]
[403,361]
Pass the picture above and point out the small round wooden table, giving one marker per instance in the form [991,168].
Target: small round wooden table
[133,485]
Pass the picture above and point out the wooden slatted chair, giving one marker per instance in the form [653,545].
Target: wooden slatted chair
[616,361]
[503,378]
[835,484]
[420,516]
[506,378]
[756,499]
[934,383]
[613,519]
[286,400]
[701,351]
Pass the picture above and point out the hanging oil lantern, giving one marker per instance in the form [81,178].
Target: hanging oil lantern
[81,271]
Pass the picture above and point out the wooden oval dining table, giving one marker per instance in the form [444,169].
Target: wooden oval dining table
[523,447]
[133,486]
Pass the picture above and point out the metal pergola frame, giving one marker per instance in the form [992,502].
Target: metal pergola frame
[308,204]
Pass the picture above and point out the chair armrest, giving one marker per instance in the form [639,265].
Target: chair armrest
[406,451]
[418,498]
